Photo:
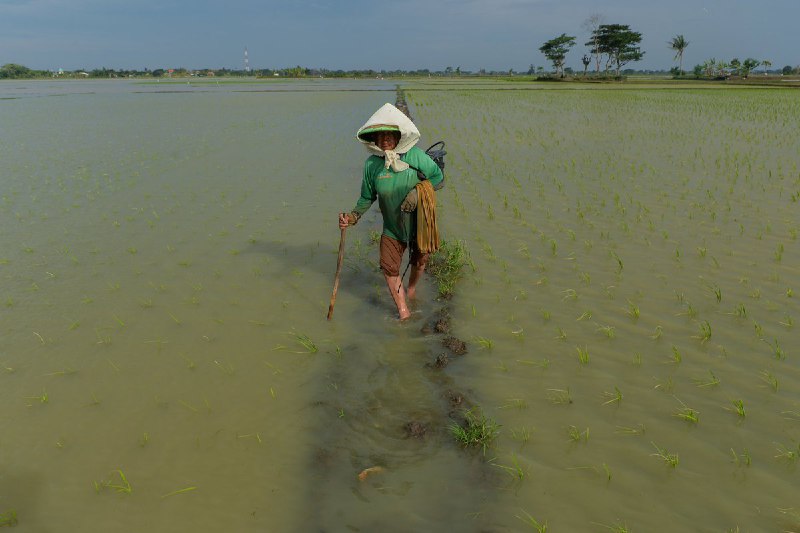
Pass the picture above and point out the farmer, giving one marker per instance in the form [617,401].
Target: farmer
[391,177]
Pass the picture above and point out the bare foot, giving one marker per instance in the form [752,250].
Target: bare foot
[405,313]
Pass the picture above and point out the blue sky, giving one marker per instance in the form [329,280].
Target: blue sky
[379,34]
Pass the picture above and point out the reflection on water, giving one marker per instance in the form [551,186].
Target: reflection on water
[167,261]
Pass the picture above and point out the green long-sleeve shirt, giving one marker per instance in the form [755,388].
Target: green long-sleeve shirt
[390,189]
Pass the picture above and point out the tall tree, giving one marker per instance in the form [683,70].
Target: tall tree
[620,43]
[748,65]
[590,25]
[556,51]
[766,64]
[678,44]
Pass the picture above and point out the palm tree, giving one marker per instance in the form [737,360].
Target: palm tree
[679,44]
[766,63]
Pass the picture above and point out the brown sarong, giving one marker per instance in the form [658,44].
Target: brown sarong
[392,252]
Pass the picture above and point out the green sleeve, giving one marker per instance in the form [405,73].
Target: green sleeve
[368,193]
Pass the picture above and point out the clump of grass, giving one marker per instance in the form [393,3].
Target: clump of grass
[583,355]
[446,266]
[477,431]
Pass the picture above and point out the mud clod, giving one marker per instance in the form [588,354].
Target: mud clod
[415,429]
[456,399]
[441,361]
[442,325]
[455,345]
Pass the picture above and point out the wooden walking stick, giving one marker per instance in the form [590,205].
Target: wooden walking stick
[338,271]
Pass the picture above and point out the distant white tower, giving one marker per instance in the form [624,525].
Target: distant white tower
[246,61]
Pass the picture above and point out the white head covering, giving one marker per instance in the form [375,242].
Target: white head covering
[388,117]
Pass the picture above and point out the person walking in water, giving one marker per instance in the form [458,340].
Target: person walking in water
[392,174]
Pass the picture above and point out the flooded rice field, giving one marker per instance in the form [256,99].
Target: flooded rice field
[167,255]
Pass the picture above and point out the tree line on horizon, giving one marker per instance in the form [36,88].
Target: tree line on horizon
[616,45]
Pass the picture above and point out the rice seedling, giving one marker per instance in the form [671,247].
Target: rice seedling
[671,459]
[608,331]
[583,355]
[584,316]
[711,381]
[179,491]
[521,434]
[759,330]
[790,455]
[569,294]
[657,333]
[8,518]
[741,459]
[686,413]
[630,431]
[559,396]
[226,368]
[787,321]
[188,406]
[544,363]
[777,351]
[515,403]
[303,340]
[562,335]
[768,378]
[477,431]
[633,310]
[528,520]
[612,397]
[576,435]
[618,527]
[705,332]
[121,486]
[43,398]
[717,291]
[676,356]
[483,342]
[515,470]
[256,436]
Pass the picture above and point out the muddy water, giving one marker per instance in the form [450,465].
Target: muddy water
[166,262]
